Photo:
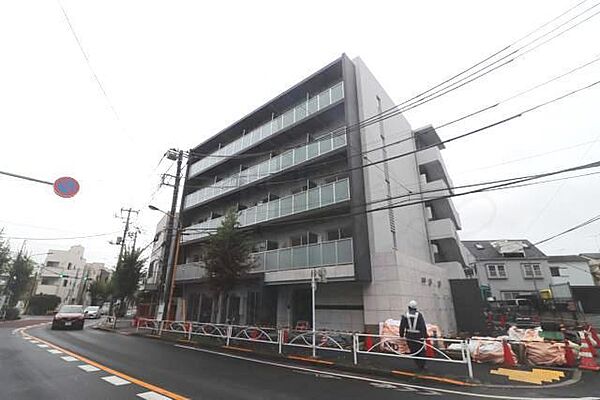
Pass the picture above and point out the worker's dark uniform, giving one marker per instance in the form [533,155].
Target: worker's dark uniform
[412,326]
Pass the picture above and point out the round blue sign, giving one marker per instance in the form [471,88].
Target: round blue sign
[66,187]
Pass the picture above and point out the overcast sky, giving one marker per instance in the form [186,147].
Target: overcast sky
[176,72]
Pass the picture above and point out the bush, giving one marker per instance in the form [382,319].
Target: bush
[12,313]
[42,303]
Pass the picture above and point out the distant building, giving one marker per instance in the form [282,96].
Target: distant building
[593,260]
[508,269]
[62,274]
[571,269]
[93,272]
[293,171]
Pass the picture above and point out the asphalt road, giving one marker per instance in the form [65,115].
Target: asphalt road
[147,368]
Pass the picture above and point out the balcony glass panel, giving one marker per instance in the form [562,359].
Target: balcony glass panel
[275,163]
[299,154]
[314,255]
[344,251]
[263,169]
[339,139]
[288,118]
[299,257]
[312,106]
[265,130]
[313,198]
[276,124]
[273,209]
[327,194]
[328,249]
[259,261]
[337,92]
[285,258]
[287,159]
[312,150]
[255,135]
[324,146]
[250,215]
[324,99]
[271,260]
[299,202]
[342,190]
[285,206]
[247,140]
[300,111]
[261,212]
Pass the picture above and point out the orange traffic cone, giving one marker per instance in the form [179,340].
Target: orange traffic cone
[594,334]
[587,360]
[586,336]
[368,343]
[509,359]
[429,352]
[570,360]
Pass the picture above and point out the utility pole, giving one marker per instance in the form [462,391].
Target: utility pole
[171,238]
[123,240]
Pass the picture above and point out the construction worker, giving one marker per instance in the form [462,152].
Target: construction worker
[412,328]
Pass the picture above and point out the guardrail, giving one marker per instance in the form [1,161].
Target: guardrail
[431,349]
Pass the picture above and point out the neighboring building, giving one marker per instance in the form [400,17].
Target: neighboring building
[571,269]
[93,272]
[62,274]
[593,260]
[305,195]
[507,269]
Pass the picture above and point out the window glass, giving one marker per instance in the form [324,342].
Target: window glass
[501,271]
[554,271]
[527,270]
[492,270]
[536,270]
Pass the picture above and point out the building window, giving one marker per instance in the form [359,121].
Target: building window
[510,295]
[496,271]
[65,282]
[69,266]
[531,271]
[554,271]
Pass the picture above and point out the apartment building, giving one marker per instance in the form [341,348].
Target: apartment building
[316,190]
[62,274]
[570,269]
[508,269]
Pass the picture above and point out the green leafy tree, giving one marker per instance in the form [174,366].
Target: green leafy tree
[19,279]
[227,259]
[100,292]
[127,275]
[4,254]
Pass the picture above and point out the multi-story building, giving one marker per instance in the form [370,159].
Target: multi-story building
[593,260]
[62,274]
[508,269]
[317,189]
[570,269]
[93,272]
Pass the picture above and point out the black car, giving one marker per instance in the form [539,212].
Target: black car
[69,316]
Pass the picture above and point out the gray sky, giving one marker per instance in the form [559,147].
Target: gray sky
[176,72]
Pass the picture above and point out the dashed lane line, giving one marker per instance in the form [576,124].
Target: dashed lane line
[54,351]
[69,358]
[115,380]
[168,394]
[42,345]
[88,368]
[152,396]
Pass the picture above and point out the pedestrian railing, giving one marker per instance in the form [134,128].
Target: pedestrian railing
[454,351]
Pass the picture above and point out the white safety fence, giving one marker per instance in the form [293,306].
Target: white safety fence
[453,351]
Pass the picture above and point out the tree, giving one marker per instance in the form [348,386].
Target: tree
[127,276]
[100,291]
[19,277]
[227,259]
[4,254]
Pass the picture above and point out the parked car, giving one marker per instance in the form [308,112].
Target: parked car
[69,316]
[92,312]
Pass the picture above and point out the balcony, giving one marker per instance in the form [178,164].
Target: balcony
[282,162]
[298,113]
[442,208]
[318,197]
[189,272]
[432,165]
[442,233]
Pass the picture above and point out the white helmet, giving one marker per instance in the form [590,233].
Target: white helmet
[412,304]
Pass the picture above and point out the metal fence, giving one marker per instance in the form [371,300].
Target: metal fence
[453,351]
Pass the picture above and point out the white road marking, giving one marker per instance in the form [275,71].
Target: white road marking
[115,380]
[88,368]
[43,345]
[381,381]
[152,396]
[69,358]
[33,341]
[54,351]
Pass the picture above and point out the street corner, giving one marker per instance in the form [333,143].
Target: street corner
[534,376]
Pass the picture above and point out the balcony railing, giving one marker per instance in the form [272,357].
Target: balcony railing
[274,165]
[334,252]
[288,118]
[190,271]
[320,196]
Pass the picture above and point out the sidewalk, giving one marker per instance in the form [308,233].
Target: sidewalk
[485,375]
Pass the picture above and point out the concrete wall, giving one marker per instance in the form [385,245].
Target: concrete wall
[410,222]
[73,256]
[399,278]
[576,273]
[515,280]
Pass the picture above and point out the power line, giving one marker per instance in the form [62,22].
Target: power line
[578,226]
[62,238]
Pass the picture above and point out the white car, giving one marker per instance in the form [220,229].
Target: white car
[92,312]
